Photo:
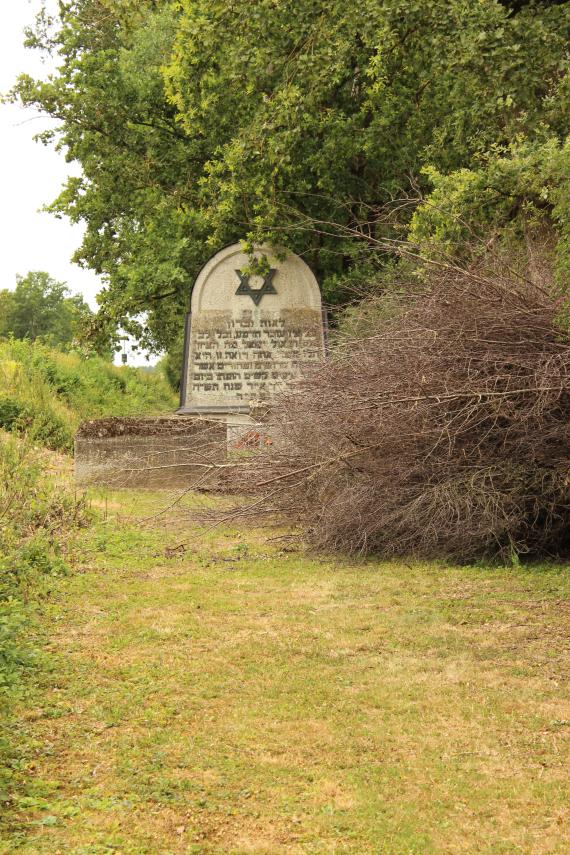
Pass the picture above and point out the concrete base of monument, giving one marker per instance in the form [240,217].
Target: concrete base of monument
[174,451]
[246,425]
[245,432]
[214,412]
[151,452]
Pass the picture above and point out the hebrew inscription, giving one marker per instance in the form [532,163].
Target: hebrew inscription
[249,360]
[249,337]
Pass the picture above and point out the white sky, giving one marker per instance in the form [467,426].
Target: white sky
[32,174]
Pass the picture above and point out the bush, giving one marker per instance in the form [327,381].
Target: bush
[11,412]
[445,434]
[43,426]
[48,429]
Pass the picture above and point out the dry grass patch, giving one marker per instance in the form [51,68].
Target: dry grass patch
[237,698]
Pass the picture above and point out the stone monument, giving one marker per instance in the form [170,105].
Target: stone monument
[248,336]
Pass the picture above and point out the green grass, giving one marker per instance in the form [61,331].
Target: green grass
[48,394]
[244,698]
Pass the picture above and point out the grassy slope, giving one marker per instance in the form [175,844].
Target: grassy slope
[243,699]
[57,391]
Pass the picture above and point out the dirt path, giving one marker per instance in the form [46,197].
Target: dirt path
[241,699]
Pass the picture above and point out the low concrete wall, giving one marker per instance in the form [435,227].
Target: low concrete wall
[153,453]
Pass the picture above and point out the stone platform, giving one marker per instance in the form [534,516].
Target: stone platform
[151,452]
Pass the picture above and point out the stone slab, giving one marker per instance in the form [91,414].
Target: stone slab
[151,453]
[248,337]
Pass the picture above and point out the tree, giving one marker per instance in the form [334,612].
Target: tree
[115,121]
[6,304]
[201,121]
[42,308]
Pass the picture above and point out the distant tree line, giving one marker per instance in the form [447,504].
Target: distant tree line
[43,309]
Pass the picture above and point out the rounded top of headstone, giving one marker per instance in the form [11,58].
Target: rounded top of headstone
[222,282]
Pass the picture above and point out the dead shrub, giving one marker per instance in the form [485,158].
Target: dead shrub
[445,434]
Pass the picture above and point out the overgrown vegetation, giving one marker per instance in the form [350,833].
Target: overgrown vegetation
[442,433]
[35,518]
[436,131]
[46,393]
[219,691]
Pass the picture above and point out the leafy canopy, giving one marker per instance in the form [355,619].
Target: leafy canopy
[199,122]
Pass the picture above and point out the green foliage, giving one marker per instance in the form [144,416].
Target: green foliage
[110,101]
[198,122]
[172,363]
[11,412]
[43,426]
[46,394]
[343,101]
[41,308]
[526,186]
[33,517]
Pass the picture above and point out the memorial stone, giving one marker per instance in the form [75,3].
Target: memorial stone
[248,336]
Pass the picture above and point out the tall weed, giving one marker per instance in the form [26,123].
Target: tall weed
[47,394]
[33,516]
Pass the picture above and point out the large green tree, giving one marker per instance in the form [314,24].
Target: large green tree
[198,122]
[42,308]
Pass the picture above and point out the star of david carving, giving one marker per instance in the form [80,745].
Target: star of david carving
[256,294]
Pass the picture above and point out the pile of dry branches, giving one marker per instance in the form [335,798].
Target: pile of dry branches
[446,434]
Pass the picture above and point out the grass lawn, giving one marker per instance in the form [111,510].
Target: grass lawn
[243,697]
